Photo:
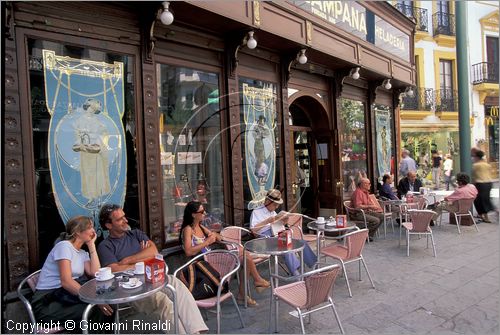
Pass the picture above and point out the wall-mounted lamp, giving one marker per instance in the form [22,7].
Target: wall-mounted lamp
[409,91]
[166,16]
[251,42]
[387,84]
[354,73]
[302,58]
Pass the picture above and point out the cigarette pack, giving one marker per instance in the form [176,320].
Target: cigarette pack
[155,270]
[285,238]
[341,221]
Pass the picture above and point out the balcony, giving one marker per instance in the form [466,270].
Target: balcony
[443,24]
[422,19]
[484,73]
[407,10]
[422,100]
[446,100]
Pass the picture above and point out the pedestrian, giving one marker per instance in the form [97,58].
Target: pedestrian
[448,170]
[481,177]
[407,164]
[436,168]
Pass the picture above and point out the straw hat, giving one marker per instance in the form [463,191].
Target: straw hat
[274,195]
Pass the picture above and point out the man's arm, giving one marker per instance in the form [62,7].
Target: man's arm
[149,251]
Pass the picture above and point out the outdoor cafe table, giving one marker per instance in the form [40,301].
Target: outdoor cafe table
[120,295]
[269,246]
[322,228]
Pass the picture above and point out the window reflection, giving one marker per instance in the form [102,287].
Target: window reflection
[190,144]
[354,164]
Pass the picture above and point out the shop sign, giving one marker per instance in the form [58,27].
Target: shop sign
[355,19]
[86,146]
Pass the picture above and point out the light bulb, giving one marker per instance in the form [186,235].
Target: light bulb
[355,74]
[410,92]
[302,58]
[388,84]
[166,16]
[251,43]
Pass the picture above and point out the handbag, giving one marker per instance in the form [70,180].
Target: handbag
[202,280]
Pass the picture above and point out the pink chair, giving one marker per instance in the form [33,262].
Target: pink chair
[350,210]
[227,264]
[350,252]
[295,224]
[420,220]
[313,290]
[464,209]
[32,281]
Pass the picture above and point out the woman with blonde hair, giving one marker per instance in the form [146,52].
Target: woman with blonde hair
[56,295]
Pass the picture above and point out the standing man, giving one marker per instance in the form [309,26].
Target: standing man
[360,199]
[407,164]
[123,248]
[260,223]
[409,184]
[436,168]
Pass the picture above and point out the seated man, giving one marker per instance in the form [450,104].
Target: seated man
[386,189]
[463,191]
[123,248]
[260,223]
[360,199]
[410,183]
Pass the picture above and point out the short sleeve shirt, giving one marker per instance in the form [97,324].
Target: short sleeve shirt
[50,277]
[260,214]
[113,250]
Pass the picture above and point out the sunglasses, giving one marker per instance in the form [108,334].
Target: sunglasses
[200,212]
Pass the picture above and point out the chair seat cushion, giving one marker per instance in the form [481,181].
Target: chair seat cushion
[335,251]
[409,226]
[293,294]
[212,302]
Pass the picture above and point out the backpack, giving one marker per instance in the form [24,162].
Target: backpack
[202,280]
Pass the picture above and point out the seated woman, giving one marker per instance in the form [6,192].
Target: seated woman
[196,238]
[56,295]
[386,189]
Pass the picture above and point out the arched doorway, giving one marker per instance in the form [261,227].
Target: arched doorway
[310,150]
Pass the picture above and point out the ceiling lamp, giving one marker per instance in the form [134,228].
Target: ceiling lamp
[302,58]
[387,84]
[354,74]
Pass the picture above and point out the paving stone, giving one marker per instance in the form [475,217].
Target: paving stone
[472,321]
[420,321]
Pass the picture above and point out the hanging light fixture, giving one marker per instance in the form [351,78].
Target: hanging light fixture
[387,84]
[302,58]
[354,74]
[251,42]
[409,92]
[166,16]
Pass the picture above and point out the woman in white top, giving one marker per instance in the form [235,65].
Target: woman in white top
[56,296]
[448,169]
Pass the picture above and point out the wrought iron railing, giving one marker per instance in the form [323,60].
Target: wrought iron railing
[446,100]
[422,100]
[485,72]
[421,18]
[443,24]
[407,10]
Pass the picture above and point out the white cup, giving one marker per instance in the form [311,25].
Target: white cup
[320,219]
[139,268]
[104,273]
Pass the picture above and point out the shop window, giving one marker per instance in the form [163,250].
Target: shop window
[384,138]
[190,144]
[75,148]
[353,141]
[260,139]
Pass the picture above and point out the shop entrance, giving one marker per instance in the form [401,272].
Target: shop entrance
[311,166]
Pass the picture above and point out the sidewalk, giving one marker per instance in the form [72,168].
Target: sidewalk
[455,293]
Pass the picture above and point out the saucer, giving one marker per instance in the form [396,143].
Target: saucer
[138,273]
[128,286]
[331,224]
[104,279]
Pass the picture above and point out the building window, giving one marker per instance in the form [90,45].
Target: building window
[353,140]
[70,185]
[190,144]
[446,94]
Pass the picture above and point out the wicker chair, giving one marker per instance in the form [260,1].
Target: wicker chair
[419,225]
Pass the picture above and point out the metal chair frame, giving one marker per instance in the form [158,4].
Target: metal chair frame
[427,232]
[464,209]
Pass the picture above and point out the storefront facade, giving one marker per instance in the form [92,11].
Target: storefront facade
[104,103]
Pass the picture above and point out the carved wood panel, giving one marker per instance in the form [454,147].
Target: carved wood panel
[14,204]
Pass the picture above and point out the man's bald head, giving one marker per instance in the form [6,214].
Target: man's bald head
[412,175]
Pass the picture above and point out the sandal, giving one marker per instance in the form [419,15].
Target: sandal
[250,301]
[262,287]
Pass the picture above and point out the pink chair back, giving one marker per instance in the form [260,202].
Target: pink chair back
[348,208]
[355,243]
[421,203]
[231,234]
[294,219]
[420,220]
[222,261]
[319,286]
[464,205]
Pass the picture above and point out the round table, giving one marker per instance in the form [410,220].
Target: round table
[119,295]
[322,228]
[269,246]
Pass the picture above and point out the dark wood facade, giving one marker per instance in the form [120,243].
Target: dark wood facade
[205,35]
